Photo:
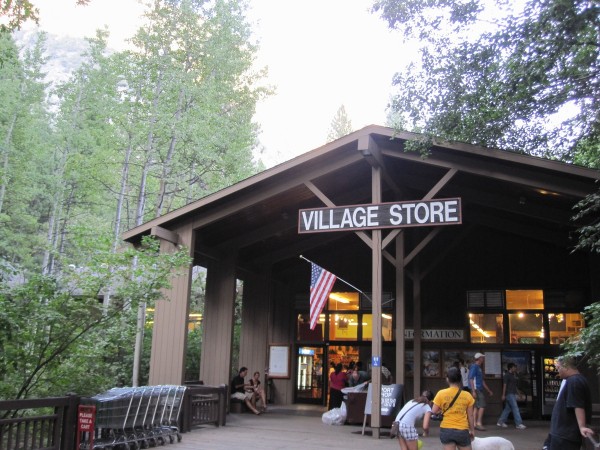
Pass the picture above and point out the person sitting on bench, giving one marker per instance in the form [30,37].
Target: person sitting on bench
[259,392]
[238,390]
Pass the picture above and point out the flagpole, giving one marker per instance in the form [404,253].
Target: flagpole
[342,280]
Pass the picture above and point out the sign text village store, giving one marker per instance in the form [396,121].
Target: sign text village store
[504,281]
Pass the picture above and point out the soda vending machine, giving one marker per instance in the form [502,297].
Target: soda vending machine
[550,385]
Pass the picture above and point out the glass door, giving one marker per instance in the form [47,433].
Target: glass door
[309,375]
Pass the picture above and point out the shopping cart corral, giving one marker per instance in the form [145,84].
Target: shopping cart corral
[135,417]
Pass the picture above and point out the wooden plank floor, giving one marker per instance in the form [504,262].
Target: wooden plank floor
[301,428]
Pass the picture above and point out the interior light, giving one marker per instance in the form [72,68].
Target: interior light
[386,316]
[338,298]
[479,329]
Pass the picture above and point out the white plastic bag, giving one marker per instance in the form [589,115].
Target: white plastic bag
[335,416]
[362,387]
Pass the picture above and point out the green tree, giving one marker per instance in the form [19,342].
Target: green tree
[341,125]
[194,95]
[130,135]
[24,136]
[55,334]
[17,12]
[521,77]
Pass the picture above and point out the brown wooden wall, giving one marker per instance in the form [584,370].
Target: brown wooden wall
[255,324]
[169,336]
[215,364]
[283,333]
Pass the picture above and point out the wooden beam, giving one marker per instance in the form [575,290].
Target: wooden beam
[369,149]
[246,197]
[518,173]
[440,184]
[321,196]
[165,235]
[433,233]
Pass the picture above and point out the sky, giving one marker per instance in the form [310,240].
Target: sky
[320,55]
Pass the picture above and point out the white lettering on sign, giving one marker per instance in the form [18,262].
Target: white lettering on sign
[436,335]
[385,215]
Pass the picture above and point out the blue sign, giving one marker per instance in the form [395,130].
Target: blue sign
[376,361]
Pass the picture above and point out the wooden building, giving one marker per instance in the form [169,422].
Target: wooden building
[503,281]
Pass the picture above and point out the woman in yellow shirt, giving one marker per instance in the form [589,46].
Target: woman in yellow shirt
[456,429]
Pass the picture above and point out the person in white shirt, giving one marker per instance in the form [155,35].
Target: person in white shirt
[408,415]
[464,373]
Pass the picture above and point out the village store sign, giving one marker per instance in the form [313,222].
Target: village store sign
[385,215]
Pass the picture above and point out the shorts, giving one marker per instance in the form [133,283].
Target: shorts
[453,436]
[242,395]
[480,400]
[408,432]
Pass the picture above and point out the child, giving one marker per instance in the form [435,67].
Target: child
[408,415]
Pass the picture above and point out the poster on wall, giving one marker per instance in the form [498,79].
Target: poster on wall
[279,361]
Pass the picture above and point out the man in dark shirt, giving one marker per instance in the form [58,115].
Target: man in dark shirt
[242,391]
[573,408]
[509,395]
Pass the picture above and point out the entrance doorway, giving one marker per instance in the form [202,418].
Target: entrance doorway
[309,375]
[314,364]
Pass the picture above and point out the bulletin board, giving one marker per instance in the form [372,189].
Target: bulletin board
[279,361]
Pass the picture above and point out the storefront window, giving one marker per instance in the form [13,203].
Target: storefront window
[343,301]
[526,328]
[387,331]
[563,326]
[303,331]
[343,327]
[524,299]
[486,328]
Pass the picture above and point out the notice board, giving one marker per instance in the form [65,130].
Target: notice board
[279,361]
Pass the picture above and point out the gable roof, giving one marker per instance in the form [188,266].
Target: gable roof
[257,217]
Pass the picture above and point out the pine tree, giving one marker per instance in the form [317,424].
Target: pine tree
[340,125]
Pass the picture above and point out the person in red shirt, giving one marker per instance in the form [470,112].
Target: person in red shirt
[337,382]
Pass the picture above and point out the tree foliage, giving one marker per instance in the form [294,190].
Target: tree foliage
[56,336]
[500,74]
[341,125]
[17,12]
[128,136]
[587,344]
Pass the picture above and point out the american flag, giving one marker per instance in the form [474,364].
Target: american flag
[321,283]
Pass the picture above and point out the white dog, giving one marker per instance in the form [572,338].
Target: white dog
[491,443]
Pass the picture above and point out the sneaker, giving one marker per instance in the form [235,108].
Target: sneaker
[501,424]
[520,426]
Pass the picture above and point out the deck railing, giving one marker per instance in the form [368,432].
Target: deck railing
[51,423]
[36,424]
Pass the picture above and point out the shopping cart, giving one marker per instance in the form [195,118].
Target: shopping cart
[169,419]
[134,418]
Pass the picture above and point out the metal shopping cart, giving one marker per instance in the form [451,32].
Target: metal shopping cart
[169,419]
[134,418]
